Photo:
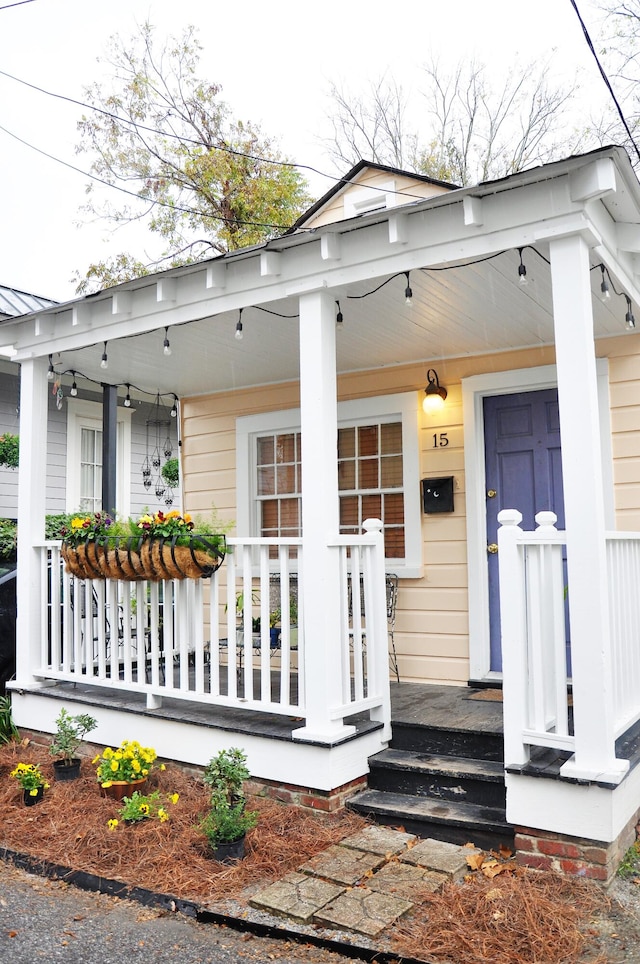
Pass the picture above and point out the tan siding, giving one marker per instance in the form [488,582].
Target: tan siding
[624,393]
[432,620]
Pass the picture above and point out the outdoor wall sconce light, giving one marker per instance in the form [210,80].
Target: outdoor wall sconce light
[434,394]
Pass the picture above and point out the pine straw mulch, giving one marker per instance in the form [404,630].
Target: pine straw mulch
[522,916]
[516,918]
[69,826]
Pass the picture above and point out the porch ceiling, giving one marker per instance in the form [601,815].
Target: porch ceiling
[461,249]
[466,310]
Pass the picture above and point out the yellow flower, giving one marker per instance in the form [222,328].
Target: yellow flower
[144,808]
[114,766]
[162,815]
[174,797]
[162,766]
[112,824]
[108,753]
[96,758]
[34,792]
[135,766]
[106,784]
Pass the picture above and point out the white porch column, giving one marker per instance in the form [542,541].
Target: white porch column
[320,518]
[34,390]
[584,514]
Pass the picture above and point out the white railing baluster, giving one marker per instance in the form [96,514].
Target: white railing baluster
[131,636]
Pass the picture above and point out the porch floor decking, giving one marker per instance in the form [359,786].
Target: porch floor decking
[421,704]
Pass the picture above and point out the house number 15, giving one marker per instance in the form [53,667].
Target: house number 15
[440,440]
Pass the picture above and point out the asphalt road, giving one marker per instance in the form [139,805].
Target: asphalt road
[52,921]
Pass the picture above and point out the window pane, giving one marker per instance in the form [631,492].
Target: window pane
[394,509]
[286,475]
[266,450]
[391,472]
[368,440]
[394,543]
[286,448]
[391,438]
[290,515]
[346,443]
[347,474]
[372,507]
[266,481]
[349,510]
[269,515]
[368,474]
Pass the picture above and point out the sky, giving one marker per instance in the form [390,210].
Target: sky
[275,62]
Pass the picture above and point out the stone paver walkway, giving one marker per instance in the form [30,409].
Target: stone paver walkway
[366,882]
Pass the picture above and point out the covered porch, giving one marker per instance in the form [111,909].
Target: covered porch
[349,316]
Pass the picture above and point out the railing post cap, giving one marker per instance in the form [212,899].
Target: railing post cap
[372,525]
[509,517]
[546,518]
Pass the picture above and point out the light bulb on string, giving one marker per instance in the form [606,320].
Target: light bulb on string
[50,371]
[605,294]
[104,361]
[127,398]
[166,347]
[630,321]
[408,293]
[74,388]
[522,271]
[238,334]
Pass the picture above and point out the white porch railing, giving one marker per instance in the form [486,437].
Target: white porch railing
[537,695]
[195,640]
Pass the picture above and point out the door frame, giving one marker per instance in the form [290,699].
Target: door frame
[474,389]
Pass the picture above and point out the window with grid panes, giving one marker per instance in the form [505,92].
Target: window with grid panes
[370,481]
[90,469]
[279,484]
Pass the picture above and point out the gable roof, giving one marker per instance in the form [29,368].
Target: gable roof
[357,173]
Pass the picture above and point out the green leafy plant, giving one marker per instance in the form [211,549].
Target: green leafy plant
[171,472]
[9,450]
[8,729]
[225,824]
[29,777]
[94,527]
[630,864]
[8,538]
[150,806]
[70,732]
[126,764]
[225,774]
[55,525]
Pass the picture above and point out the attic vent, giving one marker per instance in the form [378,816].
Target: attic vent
[364,200]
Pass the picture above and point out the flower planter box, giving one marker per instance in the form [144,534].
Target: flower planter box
[135,558]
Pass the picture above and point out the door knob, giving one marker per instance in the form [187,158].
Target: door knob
[493,547]
[491,494]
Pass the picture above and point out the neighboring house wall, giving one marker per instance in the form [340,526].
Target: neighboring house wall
[432,626]
[57,451]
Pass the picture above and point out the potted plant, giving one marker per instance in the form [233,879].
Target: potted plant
[125,769]
[226,773]
[225,828]
[70,732]
[32,782]
[227,822]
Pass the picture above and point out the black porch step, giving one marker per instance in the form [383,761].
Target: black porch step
[445,778]
[459,823]
[476,744]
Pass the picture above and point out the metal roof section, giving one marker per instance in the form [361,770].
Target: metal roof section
[14,302]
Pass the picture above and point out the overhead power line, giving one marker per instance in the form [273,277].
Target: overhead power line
[604,77]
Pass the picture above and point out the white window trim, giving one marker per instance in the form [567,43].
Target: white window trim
[474,390]
[361,411]
[86,414]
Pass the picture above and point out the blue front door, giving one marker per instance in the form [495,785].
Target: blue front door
[523,471]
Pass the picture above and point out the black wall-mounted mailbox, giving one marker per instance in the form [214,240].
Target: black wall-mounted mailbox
[437,494]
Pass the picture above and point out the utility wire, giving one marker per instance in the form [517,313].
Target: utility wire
[191,140]
[604,77]
[152,201]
